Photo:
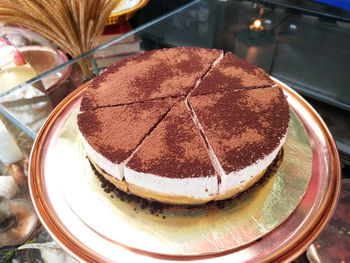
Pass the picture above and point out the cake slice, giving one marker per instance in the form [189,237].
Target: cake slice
[244,131]
[138,78]
[172,165]
[190,64]
[111,134]
[232,73]
[147,76]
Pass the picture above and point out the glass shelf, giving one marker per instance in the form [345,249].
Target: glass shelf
[304,51]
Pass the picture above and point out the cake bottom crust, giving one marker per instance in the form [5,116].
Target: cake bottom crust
[184,200]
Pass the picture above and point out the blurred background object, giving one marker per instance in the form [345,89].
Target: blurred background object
[71,25]
[124,10]
[8,186]
[9,150]
[50,252]
[333,245]
[17,221]
[24,55]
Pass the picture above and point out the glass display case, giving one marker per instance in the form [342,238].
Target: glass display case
[305,51]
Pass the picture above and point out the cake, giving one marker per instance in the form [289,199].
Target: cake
[14,69]
[183,125]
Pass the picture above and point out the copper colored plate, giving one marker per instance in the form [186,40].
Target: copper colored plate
[63,218]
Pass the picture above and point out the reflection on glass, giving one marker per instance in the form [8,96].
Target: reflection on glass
[13,66]
[7,219]
[9,150]
[17,221]
[24,55]
[256,25]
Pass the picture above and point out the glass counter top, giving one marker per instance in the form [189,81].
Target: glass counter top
[290,43]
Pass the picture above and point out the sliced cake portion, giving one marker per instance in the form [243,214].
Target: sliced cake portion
[172,165]
[134,79]
[232,73]
[190,64]
[244,131]
[149,75]
[111,134]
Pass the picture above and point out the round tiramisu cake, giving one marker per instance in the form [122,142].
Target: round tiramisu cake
[183,125]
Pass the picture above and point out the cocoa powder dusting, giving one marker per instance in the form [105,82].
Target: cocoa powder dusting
[232,73]
[115,132]
[174,149]
[147,76]
[243,126]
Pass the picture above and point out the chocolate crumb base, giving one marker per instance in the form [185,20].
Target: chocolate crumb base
[156,208]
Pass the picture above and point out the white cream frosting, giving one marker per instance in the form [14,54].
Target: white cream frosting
[202,187]
[114,169]
[239,179]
